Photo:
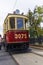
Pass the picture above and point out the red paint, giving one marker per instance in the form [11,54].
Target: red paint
[17,36]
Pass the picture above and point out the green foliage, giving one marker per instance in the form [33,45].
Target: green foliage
[40,10]
[39,20]
[35,29]
[30,16]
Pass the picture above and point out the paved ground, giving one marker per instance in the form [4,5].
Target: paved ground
[29,58]
[38,51]
[5,58]
[21,58]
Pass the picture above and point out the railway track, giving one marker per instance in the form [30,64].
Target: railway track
[37,47]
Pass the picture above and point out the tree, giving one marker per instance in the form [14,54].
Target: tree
[38,10]
[30,16]
[31,23]
[35,18]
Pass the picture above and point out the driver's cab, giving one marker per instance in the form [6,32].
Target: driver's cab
[15,22]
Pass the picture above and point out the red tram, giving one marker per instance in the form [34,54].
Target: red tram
[15,33]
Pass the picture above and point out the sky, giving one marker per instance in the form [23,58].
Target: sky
[9,6]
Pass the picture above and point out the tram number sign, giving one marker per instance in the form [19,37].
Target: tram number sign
[20,36]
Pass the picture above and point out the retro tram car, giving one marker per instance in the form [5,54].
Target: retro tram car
[14,31]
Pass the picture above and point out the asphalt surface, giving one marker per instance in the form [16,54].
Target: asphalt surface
[5,58]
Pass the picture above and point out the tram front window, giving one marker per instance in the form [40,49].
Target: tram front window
[12,22]
[20,23]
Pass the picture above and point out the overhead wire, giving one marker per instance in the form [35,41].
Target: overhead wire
[15,4]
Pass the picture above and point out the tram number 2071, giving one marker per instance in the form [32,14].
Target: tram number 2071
[20,36]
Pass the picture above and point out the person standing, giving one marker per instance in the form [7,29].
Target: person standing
[0,42]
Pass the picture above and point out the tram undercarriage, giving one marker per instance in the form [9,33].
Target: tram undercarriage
[13,46]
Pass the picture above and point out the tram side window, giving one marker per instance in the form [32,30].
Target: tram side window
[7,24]
[12,22]
[26,23]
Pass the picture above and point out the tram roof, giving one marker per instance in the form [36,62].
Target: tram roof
[17,15]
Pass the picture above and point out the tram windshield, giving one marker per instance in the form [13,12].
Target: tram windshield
[12,22]
[20,23]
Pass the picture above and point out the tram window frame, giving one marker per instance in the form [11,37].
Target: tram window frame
[12,22]
[25,23]
[19,24]
[6,24]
